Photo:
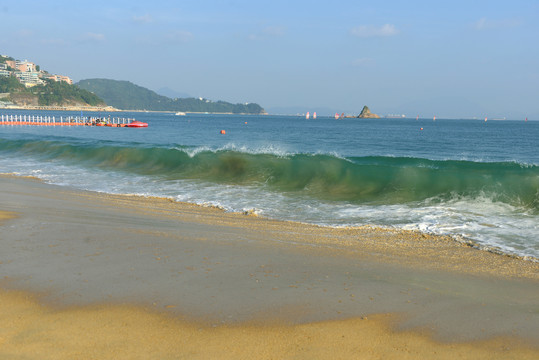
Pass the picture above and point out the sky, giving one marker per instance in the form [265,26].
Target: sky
[455,59]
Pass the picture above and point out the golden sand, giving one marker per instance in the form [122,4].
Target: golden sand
[32,331]
[6,215]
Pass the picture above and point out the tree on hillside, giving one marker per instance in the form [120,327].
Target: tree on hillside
[10,84]
[3,59]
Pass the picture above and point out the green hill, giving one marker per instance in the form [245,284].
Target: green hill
[128,96]
[51,93]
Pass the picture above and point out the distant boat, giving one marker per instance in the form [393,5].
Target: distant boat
[434,118]
[526,120]
[179,113]
[314,115]
[417,118]
[336,116]
[307,116]
[342,115]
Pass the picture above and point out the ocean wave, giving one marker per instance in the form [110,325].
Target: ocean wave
[268,149]
[329,177]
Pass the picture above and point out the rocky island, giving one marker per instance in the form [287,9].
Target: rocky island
[367,114]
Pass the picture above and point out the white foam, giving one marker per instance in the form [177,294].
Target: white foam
[489,224]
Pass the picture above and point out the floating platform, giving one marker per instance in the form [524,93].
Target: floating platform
[137,124]
[69,121]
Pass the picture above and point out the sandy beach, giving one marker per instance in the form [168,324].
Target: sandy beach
[90,276]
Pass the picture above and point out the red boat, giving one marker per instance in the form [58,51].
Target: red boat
[137,124]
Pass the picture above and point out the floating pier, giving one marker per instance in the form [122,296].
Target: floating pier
[39,120]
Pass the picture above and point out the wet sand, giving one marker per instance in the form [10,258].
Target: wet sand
[90,275]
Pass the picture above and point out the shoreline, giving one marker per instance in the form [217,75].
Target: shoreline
[62,108]
[434,241]
[110,109]
[459,240]
[239,277]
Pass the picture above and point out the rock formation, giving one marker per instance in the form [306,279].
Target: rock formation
[366,114]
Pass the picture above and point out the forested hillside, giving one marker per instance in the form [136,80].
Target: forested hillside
[52,93]
[128,96]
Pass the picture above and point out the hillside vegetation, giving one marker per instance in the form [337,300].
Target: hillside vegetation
[128,96]
[52,93]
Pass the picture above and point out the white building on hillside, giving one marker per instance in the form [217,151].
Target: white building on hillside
[28,78]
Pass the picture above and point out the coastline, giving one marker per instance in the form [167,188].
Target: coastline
[60,108]
[149,269]
[109,109]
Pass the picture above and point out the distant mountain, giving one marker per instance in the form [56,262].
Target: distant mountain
[128,96]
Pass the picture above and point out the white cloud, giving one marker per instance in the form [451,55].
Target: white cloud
[366,31]
[487,24]
[481,24]
[144,19]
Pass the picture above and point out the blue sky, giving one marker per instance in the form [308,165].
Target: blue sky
[444,58]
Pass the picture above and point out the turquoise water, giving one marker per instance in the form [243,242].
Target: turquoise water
[471,179]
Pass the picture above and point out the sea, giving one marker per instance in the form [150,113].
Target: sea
[474,180]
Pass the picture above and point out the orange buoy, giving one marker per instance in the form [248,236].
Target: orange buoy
[421,129]
[223,132]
